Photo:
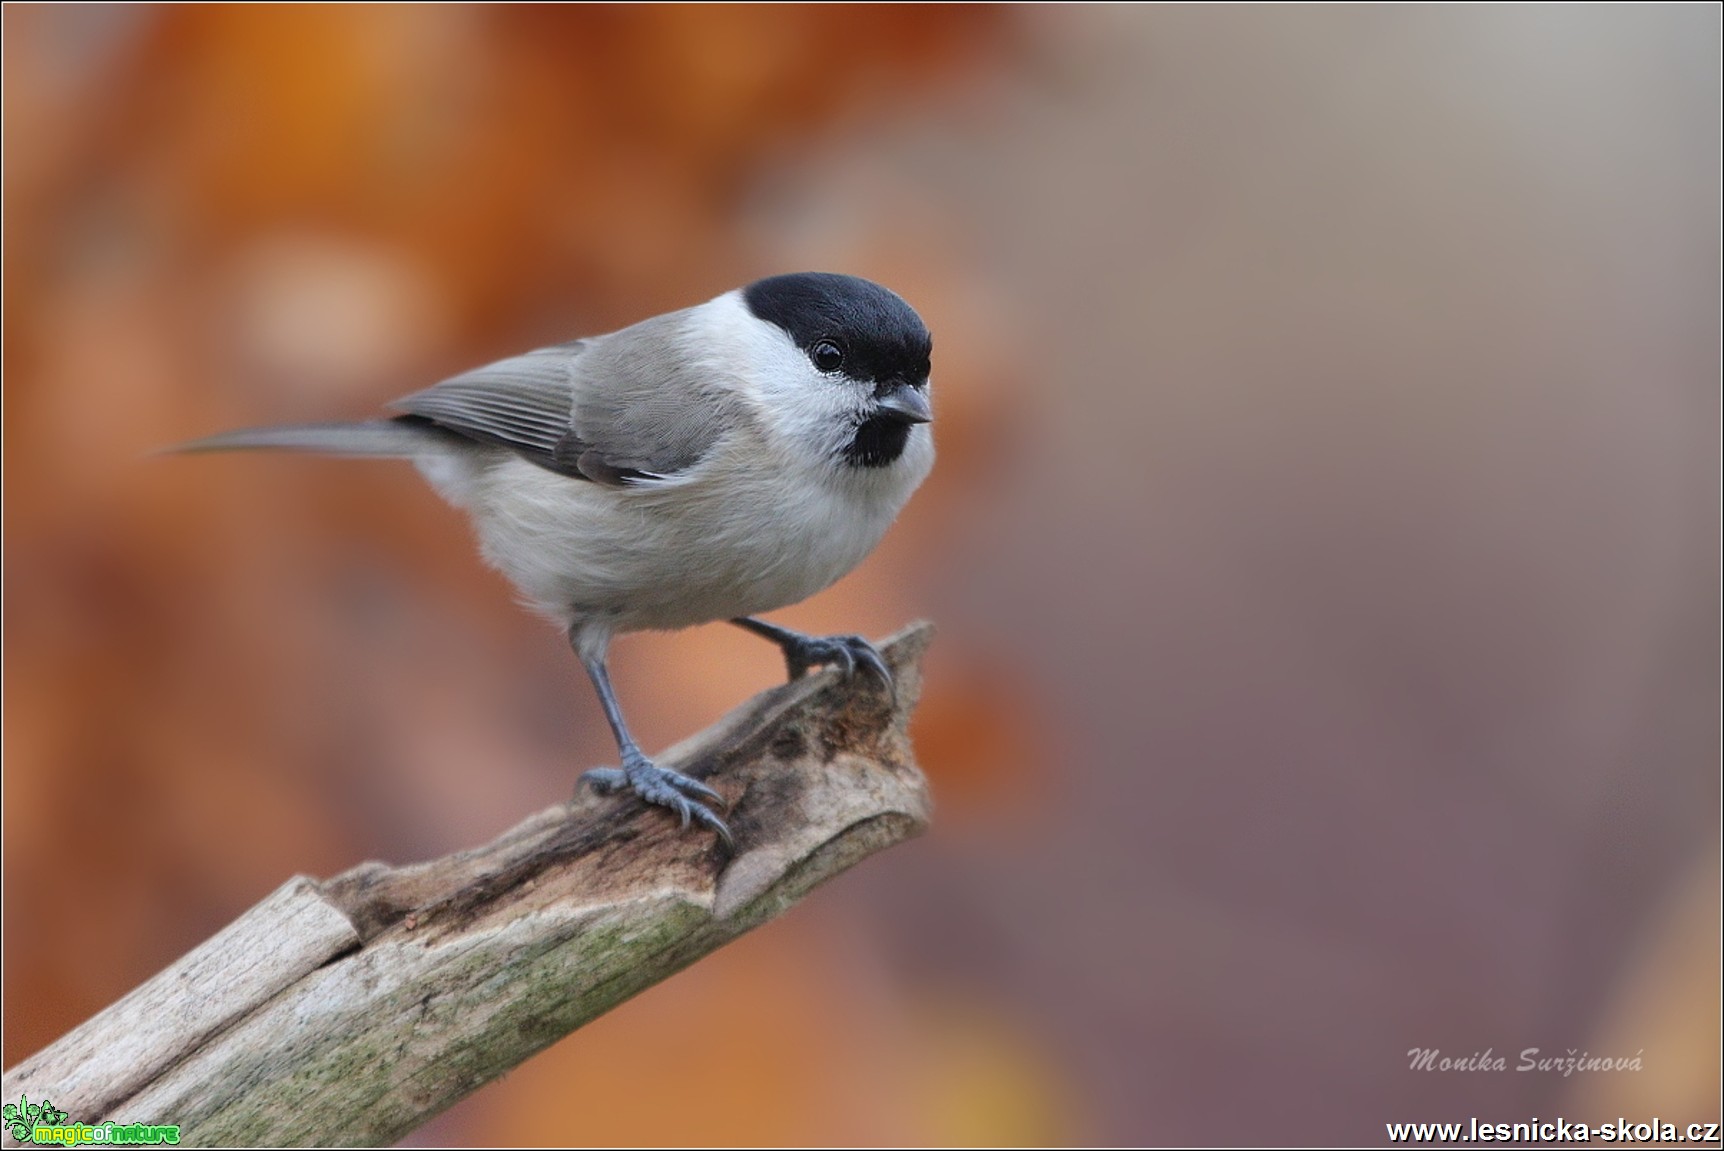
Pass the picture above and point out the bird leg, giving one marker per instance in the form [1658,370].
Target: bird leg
[652,783]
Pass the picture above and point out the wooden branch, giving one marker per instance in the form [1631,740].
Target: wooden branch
[351,1010]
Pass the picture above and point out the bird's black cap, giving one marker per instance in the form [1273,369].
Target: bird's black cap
[882,338]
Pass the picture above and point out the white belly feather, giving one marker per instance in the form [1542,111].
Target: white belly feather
[687,551]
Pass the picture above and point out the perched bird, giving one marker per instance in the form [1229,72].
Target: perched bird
[707,464]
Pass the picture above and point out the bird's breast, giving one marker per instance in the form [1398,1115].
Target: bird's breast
[738,538]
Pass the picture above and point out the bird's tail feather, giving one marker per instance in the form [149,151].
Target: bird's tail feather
[379,438]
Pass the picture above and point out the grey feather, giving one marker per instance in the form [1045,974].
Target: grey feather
[625,408]
[618,409]
[381,438]
[646,404]
[522,403]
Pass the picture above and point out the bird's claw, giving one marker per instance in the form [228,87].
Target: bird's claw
[605,780]
[665,788]
[845,652]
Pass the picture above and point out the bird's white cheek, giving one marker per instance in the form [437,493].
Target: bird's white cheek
[917,460]
[921,451]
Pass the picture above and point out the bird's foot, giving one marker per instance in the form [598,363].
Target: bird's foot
[662,786]
[845,652]
[801,652]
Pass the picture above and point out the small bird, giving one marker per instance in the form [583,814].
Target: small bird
[708,464]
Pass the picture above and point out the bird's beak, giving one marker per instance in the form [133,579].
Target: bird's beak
[905,404]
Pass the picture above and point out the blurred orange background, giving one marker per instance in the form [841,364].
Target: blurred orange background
[1324,538]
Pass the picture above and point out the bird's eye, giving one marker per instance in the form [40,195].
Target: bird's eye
[828,356]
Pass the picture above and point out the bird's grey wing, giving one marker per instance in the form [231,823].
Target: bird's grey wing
[640,405]
[648,403]
[524,403]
